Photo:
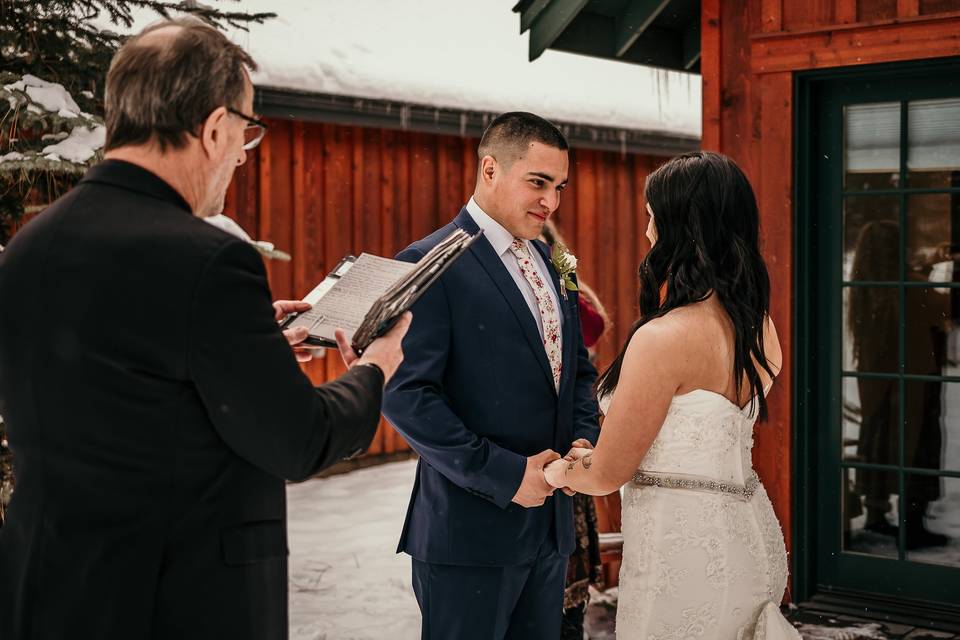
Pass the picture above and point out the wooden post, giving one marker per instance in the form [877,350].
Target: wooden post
[710,57]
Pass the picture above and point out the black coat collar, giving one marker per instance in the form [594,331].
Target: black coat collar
[131,177]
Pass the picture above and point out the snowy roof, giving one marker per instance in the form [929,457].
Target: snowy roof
[460,54]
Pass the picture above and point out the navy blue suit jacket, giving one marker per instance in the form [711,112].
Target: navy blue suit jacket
[474,397]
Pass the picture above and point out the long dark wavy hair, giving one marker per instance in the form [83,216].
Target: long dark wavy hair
[708,229]
[873,316]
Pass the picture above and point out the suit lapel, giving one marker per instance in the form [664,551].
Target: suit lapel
[494,267]
[569,352]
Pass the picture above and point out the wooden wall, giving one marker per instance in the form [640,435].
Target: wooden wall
[320,191]
[750,53]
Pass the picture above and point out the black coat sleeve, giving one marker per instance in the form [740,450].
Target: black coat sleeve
[260,402]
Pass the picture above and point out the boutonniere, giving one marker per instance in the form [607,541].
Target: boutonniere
[566,264]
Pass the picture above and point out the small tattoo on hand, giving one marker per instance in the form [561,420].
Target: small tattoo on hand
[587,461]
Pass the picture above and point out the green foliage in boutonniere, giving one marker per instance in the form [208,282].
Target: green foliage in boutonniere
[566,264]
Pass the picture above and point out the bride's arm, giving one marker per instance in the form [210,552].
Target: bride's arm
[650,376]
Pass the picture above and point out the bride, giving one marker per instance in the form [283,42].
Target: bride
[703,553]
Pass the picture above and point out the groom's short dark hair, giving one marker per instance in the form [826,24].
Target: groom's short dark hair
[511,133]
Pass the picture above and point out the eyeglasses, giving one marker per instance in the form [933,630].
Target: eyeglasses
[254,131]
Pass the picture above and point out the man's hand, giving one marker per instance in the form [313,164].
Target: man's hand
[386,351]
[534,488]
[283,308]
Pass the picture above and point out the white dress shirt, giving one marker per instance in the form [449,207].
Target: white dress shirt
[501,239]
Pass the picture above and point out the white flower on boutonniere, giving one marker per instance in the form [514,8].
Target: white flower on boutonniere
[566,265]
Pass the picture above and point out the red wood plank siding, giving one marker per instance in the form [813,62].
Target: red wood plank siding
[928,7]
[873,10]
[320,191]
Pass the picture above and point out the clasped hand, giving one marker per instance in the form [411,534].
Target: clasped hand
[544,474]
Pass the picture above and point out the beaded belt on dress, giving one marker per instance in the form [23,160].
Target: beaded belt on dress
[653,479]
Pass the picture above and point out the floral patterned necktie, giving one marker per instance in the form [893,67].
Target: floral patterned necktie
[548,310]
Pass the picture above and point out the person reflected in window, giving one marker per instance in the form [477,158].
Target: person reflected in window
[873,322]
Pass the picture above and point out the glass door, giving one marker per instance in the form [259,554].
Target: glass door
[882,340]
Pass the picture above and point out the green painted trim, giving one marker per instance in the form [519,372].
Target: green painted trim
[905,285]
[550,23]
[636,17]
[896,192]
[404,116]
[691,45]
[644,32]
[947,473]
[529,12]
[909,377]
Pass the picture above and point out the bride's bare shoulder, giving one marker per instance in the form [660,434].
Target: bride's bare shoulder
[771,346]
[670,333]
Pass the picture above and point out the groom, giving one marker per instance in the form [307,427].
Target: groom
[495,382]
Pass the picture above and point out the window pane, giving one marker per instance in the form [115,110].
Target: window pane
[870,512]
[871,238]
[933,519]
[871,329]
[929,322]
[933,154]
[871,146]
[933,236]
[931,429]
[871,413]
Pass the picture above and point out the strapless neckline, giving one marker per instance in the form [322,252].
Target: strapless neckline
[720,396]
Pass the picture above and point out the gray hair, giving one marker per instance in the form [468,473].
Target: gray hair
[163,89]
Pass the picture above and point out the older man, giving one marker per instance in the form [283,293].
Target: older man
[154,407]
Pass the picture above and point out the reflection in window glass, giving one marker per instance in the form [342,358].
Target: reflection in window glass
[870,512]
[933,138]
[871,146]
[929,323]
[933,519]
[871,238]
[871,415]
[871,329]
[933,236]
[931,425]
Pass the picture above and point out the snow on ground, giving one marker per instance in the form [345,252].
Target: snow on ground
[346,581]
[452,53]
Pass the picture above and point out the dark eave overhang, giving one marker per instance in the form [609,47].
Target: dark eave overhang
[654,33]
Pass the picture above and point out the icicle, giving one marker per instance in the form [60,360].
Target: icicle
[463,125]
[405,116]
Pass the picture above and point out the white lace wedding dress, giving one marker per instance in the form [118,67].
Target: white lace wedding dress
[703,553]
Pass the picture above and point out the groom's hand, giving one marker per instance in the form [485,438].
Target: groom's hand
[534,488]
